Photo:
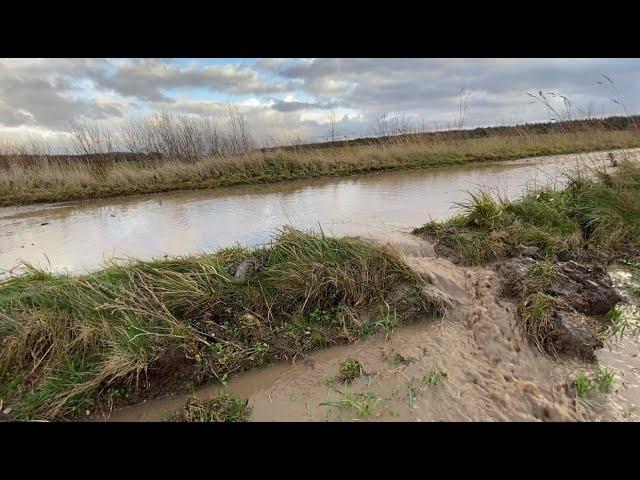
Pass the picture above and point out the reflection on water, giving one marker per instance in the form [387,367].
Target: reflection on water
[78,236]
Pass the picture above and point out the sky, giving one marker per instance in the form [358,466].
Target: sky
[289,98]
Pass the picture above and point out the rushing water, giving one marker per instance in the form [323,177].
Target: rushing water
[80,236]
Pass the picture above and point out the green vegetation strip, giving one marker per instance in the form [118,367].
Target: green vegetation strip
[598,211]
[72,344]
[46,180]
[597,215]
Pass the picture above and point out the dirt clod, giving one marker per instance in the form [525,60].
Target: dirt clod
[579,291]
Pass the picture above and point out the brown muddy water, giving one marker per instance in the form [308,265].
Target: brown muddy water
[492,372]
[80,236]
[473,364]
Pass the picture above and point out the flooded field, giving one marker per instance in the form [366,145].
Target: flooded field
[80,236]
[472,364]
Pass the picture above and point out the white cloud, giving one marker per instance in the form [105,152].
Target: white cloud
[293,95]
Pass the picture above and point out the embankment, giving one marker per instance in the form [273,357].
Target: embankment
[47,180]
[69,345]
[551,248]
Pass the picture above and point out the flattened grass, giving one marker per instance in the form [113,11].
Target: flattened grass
[71,343]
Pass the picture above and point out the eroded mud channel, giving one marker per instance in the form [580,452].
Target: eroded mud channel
[473,364]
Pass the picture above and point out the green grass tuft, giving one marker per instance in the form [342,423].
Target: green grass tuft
[604,379]
[221,408]
[350,370]
[583,385]
[535,315]
[598,210]
[363,404]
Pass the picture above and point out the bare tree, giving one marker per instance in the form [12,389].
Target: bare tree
[89,138]
[183,136]
[382,125]
[238,136]
[386,125]
[37,146]
[463,108]
[165,134]
[333,124]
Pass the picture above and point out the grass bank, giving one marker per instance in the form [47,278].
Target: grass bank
[563,306]
[72,344]
[597,213]
[47,180]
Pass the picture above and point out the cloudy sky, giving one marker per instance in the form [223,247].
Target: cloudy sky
[290,97]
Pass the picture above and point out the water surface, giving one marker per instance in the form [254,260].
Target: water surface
[81,236]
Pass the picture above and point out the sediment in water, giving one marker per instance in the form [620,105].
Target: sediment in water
[486,369]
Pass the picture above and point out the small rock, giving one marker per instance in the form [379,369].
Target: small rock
[44,223]
[243,270]
[7,410]
[513,273]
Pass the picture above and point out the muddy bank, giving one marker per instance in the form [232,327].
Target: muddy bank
[512,336]
[561,305]
[474,364]
[129,332]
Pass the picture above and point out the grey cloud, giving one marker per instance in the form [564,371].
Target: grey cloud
[42,89]
[146,78]
[431,86]
[12,117]
[49,92]
[46,105]
[284,106]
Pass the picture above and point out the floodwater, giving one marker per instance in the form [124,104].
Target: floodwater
[487,370]
[473,364]
[621,354]
[81,236]
[492,372]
